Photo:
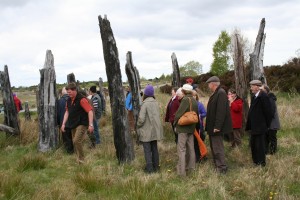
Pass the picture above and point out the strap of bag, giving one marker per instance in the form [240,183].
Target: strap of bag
[190,104]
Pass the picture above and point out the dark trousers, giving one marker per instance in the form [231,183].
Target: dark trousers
[151,156]
[257,142]
[235,137]
[176,135]
[67,141]
[271,142]
[217,149]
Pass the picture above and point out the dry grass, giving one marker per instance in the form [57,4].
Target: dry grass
[102,178]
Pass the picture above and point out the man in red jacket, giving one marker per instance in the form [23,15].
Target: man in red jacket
[236,111]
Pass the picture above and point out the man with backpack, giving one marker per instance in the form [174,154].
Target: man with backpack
[96,101]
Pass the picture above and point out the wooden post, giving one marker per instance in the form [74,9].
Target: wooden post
[48,131]
[27,112]
[10,110]
[102,96]
[132,75]
[176,72]
[71,78]
[122,138]
[256,58]
[240,75]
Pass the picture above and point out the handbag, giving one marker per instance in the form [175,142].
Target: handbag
[189,117]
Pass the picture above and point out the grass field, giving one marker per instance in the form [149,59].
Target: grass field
[27,174]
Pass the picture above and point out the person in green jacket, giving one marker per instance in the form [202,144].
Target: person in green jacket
[149,129]
[185,145]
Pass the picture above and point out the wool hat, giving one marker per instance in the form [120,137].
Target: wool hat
[149,91]
[213,79]
[189,80]
[187,87]
[256,82]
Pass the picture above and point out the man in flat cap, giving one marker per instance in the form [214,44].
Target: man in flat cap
[258,122]
[218,122]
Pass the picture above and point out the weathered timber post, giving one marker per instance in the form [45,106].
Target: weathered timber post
[132,75]
[240,75]
[176,73]
[256,58]
[10,110]
[48,131]
[138,78]
[122,138]
[27,112]
[71,78]
[102,96]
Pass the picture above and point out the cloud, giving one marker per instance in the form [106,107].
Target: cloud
[152,30]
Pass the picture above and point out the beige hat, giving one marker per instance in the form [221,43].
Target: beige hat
[187,87]
[256,82]
[213,79]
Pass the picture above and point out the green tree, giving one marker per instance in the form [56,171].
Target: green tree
[221,54]
[192,68]
[162,77]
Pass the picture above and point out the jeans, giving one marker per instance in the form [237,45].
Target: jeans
[96,130]
[151,156]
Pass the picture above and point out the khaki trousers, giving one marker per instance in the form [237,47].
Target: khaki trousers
[78,135]
[186,153]
[217,149]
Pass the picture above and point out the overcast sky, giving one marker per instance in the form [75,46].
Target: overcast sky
[150,29]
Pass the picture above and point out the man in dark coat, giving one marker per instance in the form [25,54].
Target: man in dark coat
[258,122]
[218,122]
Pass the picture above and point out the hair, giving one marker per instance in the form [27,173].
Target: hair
[231,90]
[63,91]
[93,89]
[146,96]
[187,91]
[179,92]
[71,86]
[195,93]
[175,89]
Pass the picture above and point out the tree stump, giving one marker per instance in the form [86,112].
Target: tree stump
[47,100]
[27,112]
[176,72]
[133,79]
[122,138]
[240,75]
[102,96]
[71,78]
[10,110]
[256,58]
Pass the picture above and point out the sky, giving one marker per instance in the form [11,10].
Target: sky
[151,29]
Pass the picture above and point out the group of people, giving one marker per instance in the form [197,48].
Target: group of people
[224,116]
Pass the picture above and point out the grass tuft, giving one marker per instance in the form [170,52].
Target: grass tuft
[32,162]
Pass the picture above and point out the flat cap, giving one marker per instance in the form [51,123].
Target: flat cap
[213,79]
[256,82]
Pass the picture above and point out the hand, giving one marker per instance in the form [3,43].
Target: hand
[62,128]
[91,129]
[216,130]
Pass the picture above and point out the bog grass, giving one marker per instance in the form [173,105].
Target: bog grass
[27,174]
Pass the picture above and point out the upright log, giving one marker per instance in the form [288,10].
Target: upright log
[240,75]
[256,58]
[27,112]
[71,78]
[48,132]
[122,138]
[133,79]
[102,96]
[10,110]
[176,72]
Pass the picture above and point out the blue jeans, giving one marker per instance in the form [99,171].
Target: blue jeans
[96,130]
